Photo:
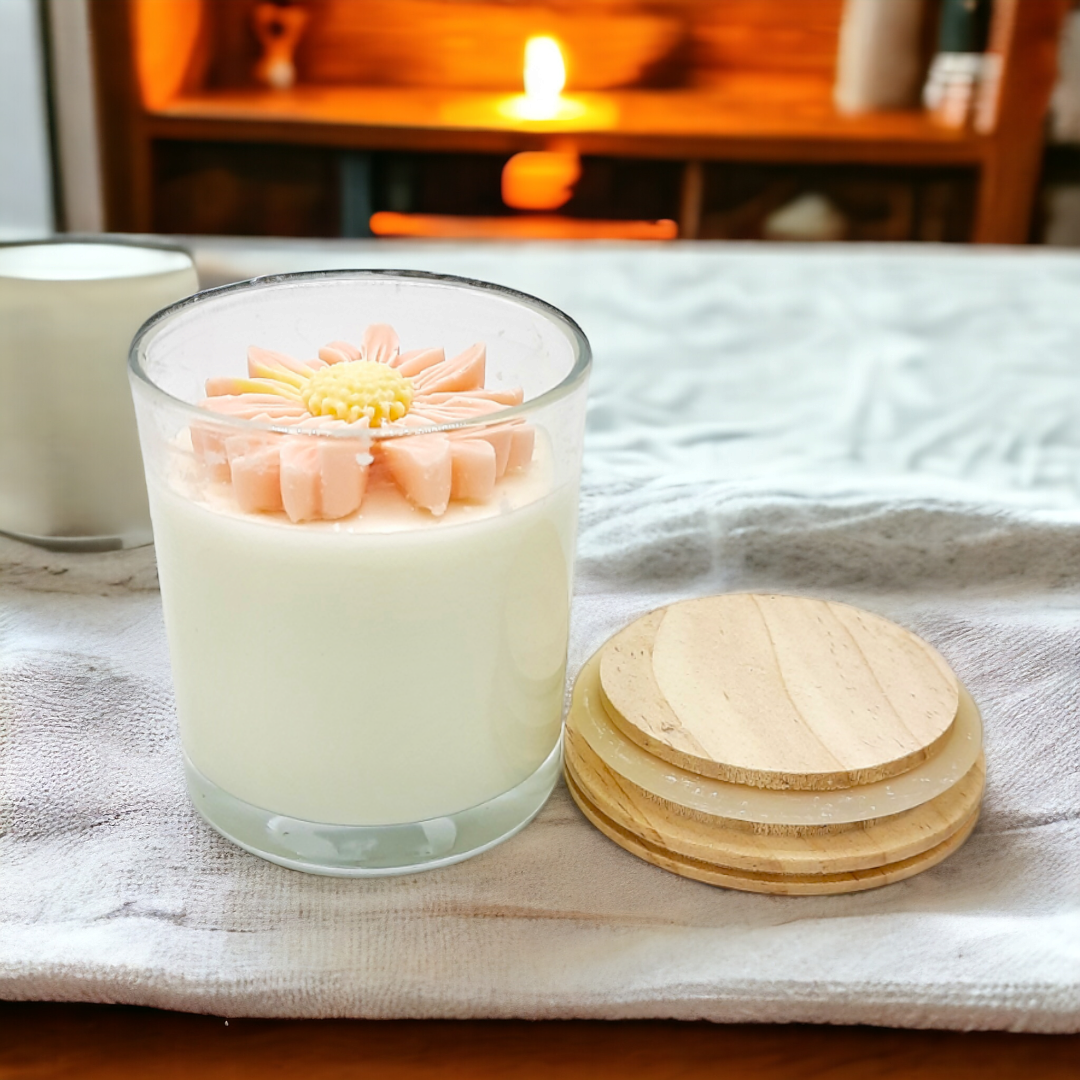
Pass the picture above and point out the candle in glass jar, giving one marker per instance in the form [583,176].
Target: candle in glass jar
[70,469]
[364,531]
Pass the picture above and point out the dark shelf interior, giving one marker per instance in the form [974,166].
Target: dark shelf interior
[280,190]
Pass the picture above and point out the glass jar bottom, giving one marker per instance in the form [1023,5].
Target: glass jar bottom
[139,538]
[373,850]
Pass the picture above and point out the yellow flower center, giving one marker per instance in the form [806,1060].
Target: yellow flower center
[356,389]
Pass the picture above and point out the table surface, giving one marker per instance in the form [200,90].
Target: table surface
[44,1041]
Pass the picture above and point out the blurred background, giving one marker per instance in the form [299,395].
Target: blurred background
[857,120]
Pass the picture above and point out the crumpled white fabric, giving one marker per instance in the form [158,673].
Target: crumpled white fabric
[897,429]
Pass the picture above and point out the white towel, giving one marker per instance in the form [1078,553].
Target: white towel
[819,454]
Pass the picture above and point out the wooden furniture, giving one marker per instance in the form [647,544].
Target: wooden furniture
[45,1041]
[174,73]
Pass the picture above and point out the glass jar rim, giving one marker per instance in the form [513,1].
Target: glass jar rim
[578,341]
[105,240]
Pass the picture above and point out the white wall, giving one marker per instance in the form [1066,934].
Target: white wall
[75,116]
[25,180]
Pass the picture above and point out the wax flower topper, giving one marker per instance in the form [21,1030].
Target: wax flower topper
[360,389]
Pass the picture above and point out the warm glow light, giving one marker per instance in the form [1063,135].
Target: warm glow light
[545,76]
[540,179]
[518,227]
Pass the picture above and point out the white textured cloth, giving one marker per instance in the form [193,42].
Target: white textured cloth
[897,429]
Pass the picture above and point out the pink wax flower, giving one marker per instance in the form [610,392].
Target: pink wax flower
[360,389]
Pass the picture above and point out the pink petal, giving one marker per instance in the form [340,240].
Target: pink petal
[310,422]
[343,473]
[514,396]
[223,386]
[464,372]
[266,417]
[454,411]
[473,469]
[501,440]
[421,467]
[209,447]
[410,364]
[418,418]
[248,406]
[339,352]
[438,417]
[300,480]
[255,467]
[457,407]
[262,363]
[380,343]
[512,443]
[323,478]
[208,441]
[522,441]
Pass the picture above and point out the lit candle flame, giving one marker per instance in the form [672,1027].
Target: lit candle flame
[545,77]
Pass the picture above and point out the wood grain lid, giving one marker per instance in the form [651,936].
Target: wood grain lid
[776,884]
[778,691]
[888,840]
[787,812]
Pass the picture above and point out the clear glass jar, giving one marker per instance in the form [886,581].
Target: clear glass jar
[381,692]
[70,473]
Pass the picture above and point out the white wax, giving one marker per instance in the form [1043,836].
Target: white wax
[88,262]
[387,669]
[69,453]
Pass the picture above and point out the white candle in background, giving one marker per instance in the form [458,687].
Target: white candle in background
[877,61]
[70,469]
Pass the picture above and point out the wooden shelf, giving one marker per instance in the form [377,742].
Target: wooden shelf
[768,100]
[750,116]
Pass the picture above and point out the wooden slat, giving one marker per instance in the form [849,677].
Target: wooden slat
[753,116]
[100,1042]
[1024,36]
[691,200]
[781,36]
[125,152]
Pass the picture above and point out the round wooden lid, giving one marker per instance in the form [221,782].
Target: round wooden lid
[778,691]
[756,881]
[728,844]
[787,812]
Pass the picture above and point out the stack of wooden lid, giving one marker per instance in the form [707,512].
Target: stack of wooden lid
[775,744]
